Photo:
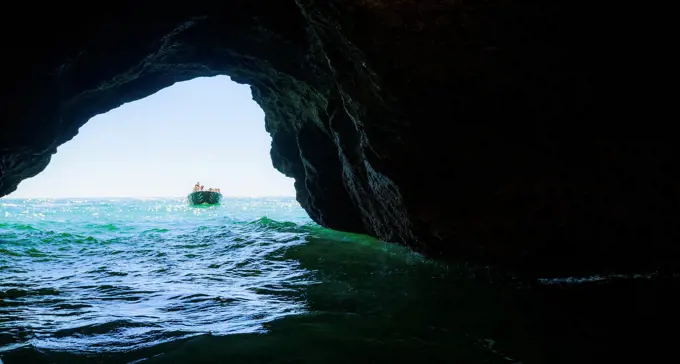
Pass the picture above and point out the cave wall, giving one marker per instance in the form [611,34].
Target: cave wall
[493,132]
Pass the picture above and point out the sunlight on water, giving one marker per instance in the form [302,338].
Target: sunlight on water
[108,275]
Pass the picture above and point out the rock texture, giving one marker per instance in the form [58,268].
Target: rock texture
[499,132]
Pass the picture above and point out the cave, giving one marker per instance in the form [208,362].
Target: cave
[488,132]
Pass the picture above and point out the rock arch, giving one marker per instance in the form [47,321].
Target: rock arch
[466,130]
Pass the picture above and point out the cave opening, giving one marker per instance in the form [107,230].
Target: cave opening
[207,129]
[103,253]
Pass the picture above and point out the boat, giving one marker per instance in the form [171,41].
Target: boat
[204,198]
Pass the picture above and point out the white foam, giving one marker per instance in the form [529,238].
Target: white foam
[597,278]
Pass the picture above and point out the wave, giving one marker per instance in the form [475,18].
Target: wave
[263,222]
[14,293]
[17,226]
[267,223]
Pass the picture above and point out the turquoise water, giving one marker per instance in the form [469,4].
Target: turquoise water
[254,280]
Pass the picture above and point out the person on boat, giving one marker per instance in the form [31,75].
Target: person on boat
[197,186]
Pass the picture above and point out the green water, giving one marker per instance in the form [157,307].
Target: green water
[255,281]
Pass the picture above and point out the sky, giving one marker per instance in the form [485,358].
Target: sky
[206,130]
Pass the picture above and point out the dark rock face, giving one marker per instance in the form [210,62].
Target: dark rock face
[487,131]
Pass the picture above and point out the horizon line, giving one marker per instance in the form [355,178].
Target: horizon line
[63,197]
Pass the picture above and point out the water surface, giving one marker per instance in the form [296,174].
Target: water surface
[255,280]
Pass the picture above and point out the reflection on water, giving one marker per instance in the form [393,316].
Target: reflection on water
[255,281]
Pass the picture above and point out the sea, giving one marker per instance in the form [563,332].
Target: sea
[254,280]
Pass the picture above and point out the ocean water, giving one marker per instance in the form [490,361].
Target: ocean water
[256,281]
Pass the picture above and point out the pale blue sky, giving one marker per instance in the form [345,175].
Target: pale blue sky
[206,130]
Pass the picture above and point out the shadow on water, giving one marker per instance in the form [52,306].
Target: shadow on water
[375,303]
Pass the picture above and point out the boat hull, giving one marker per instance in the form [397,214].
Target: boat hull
[204,198]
